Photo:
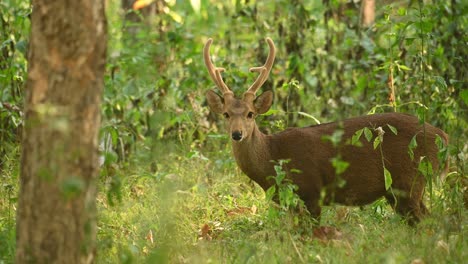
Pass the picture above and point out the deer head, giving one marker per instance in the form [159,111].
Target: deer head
[239,113]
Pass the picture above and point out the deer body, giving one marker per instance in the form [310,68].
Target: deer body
[364,178]
[311,155]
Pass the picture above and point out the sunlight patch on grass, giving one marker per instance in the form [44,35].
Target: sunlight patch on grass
[204,210]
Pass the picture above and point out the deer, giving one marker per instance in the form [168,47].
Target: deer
[310,155]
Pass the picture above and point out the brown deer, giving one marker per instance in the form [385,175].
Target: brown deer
[311,155]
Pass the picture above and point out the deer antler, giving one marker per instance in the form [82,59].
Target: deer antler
[264,70]
[215,72]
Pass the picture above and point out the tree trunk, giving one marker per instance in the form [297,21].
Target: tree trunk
[56,221]
[367,12]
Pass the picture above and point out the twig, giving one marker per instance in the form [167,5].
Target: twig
[297,250]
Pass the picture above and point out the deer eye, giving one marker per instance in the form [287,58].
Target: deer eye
[226,115]
[250,115]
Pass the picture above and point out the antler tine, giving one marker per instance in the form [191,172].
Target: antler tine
[214,72]
[264,70]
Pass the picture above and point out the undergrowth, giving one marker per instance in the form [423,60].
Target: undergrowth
[199,208]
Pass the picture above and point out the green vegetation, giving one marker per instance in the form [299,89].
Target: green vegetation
[170,189]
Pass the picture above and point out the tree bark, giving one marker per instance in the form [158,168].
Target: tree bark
[56,220]
[367,12]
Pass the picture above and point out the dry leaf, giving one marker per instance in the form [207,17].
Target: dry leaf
[327,233]
[139,4]
[443,246]
[342,213]
[253,209]
[239,211]
[137,190]
[204,232]
[362,228]
[149,237]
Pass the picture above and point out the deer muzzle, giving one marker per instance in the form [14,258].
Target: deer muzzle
[236,135]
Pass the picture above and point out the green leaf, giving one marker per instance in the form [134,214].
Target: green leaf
[278,169]
[409,41]
[340,182]
[175,16]
[377,141]
[279,178]
[464,96]
[412,145]
[270,193]
[271,112]
[388,179]
[442,154]
[334,138]
[273,214]
[393,129]
[401,11]
[110,157]
[295,171]
[114,135]
[425,168]
[403,67]
[339,165]
[361,83]
[440,81]
[356,137]
[22,46]
[439,142]
[424,26]
[196,5]
[368,134]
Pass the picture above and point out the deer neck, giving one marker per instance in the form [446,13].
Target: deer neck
[253,156]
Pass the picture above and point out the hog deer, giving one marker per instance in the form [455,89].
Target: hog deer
[310,155]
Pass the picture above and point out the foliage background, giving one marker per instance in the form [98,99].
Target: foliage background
[166,164]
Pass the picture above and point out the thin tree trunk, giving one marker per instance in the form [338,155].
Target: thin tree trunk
[56,220]
[367,13]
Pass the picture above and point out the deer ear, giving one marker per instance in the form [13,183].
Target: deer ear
[263,102]
[215,102]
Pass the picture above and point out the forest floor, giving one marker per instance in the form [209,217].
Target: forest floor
[199,208]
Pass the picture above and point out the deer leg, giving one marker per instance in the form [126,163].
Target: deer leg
[410,210]
[409,206]
[423,208]
[314,209]
[391,200]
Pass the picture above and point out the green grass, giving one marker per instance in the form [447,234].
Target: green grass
[200,208]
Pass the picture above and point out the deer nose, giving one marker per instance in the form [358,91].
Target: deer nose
[236,135]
